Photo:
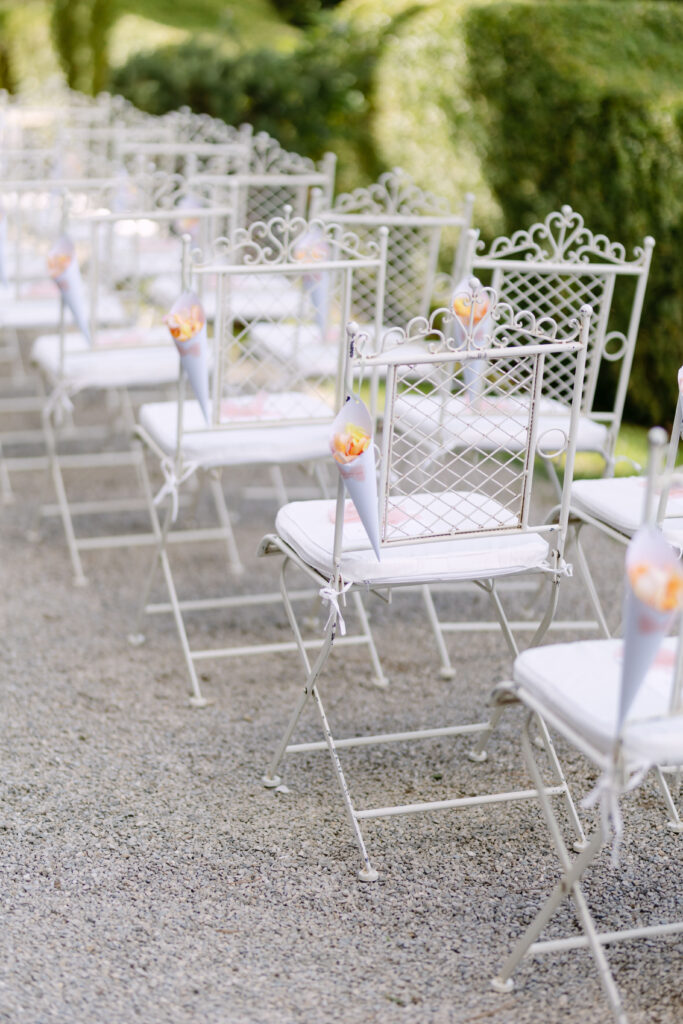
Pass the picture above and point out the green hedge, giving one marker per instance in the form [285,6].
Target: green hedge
[582,103]
[315,98]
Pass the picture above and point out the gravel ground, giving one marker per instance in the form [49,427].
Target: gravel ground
[147,874]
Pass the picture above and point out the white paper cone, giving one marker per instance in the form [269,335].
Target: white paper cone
[359,473]
[318,288]
[3,249]
[469,334]
[645,626]
[70,284]
[194,351]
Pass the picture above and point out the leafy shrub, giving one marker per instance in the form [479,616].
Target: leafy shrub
[582,103]
[312,99]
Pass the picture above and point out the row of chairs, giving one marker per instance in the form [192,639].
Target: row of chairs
[312,305]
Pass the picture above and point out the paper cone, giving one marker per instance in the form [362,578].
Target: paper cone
[65,272]
[471,327]
[358,471]
[313,247]
[186,321]
[654,583]
[3,249]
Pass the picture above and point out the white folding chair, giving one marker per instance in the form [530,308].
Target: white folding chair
[614,506]
[126,365]
[550,269]
[576,689]
[443,515]
[265,411]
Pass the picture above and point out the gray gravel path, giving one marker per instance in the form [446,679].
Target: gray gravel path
[147,875]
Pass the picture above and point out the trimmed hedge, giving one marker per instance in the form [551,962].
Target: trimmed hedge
[582,103]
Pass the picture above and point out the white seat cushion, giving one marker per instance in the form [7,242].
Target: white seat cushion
[119,358]
[496,423]
[308,526]
[258,441]
[251,295]
[42,311]
[577,685]
[618,502]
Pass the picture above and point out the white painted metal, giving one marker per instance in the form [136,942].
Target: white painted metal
[433,496]
[281,407]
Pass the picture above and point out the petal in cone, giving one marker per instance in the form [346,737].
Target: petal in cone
[654,590]
[471,327]
[64,271]
[353,451]
[186,321]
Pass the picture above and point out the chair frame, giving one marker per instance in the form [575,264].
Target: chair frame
[534,344]
[268,247]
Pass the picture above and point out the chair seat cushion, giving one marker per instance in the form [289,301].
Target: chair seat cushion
[256,441]
[618,502]
[29,313]
[576,685]
[119,358]
[495,423]
[308,527]
[250,296]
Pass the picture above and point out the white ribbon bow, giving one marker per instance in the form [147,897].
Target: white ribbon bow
[332,596]
[172,482]
[607,791]
[58,403]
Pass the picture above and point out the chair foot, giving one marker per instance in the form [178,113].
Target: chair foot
[368,875]
[498,985]
[446,672]
[381,681]
[198,702]
[580,845]
[675,826]
[136,639]
[80,581]
[478,756]
[271,781]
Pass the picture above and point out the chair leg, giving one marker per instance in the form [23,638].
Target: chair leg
[502,618]
[60,492]
[587,579]
[569,883]
[160,557]
[674,824]
[224,520]
[379,679]
[561,780]
[446,671]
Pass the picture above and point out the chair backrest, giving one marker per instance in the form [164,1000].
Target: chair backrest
[418,223]
[442,476]
[553,268]
[271,178]
[266,367]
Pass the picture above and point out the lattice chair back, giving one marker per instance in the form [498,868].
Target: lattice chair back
[551,269]
[186,158]
[270,179]
[453,478]
[256,380]
[126,247]
[420,224]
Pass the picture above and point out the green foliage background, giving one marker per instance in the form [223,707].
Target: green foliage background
[528,105]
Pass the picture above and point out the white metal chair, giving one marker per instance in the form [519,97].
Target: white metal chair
[550,269]
[420,226]
[614,506]
[265,411]
[578,690]
[443,515]
[127,365]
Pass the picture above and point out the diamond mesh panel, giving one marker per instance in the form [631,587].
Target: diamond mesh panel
[462,467]
[560,296]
